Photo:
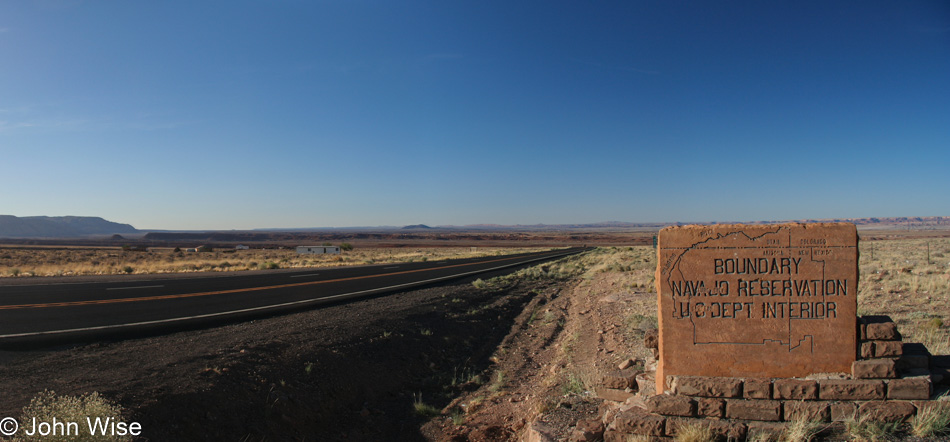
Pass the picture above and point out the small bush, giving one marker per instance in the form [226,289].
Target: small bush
[270,266]
[935,324]
[573,385]
[47,406]
[479,284]
[346,247]
[128,269]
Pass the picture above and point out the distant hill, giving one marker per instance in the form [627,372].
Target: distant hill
[59,226]
[416,226]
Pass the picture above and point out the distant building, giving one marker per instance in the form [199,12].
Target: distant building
[318,250]
[241,247]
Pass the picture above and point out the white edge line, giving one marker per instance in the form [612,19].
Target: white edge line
[265,307]
[136,287]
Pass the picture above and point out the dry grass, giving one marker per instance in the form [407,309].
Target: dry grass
[24,262]
[898,280]
[932,420]
[801,430]
[865,429]
[695,433]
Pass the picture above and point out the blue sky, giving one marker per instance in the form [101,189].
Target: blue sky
[235,115]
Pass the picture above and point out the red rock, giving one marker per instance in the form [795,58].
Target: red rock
[587,430]
[886,411]
[795,389]
[707,386]
[613,394]
[620,379]
[887,349]
[646,382]
[843,411]
[710,407]
[651,339]
[909,388]
[756,410]
[850,389]
[638,421]
[807,410]
[757,388]
[867,350]
[874,369]
[886,331]
[670,405]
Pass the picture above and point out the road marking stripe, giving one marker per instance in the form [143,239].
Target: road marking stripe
[286,304]
[223,292]
[136,287]
[301,276]
[393,267]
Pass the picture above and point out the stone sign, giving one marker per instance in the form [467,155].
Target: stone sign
[765,301]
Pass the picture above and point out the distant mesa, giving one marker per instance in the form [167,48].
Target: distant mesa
[59,227]
[416,227]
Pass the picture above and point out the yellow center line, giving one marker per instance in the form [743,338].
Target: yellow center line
[223,292]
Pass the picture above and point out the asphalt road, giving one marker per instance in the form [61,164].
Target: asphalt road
[44,314]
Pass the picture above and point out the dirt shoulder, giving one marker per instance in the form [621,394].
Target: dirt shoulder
[558,349]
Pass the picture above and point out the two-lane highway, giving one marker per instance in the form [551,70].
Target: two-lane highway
[60,312]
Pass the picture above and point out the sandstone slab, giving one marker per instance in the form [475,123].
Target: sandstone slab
[620,379]
[874,369]
[880,328]
[710,407]
[813,411]
[888,349]
[850,389]
[757,388]
[769,301]
[638,421]
[613,394]
[757,410]
[796,389]
[707,386]
[916,388]
[671,405]
[843,411]
[886,411]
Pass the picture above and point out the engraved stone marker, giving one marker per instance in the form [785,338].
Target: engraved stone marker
[757,301]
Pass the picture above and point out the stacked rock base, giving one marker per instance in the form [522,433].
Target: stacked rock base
[890,382]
